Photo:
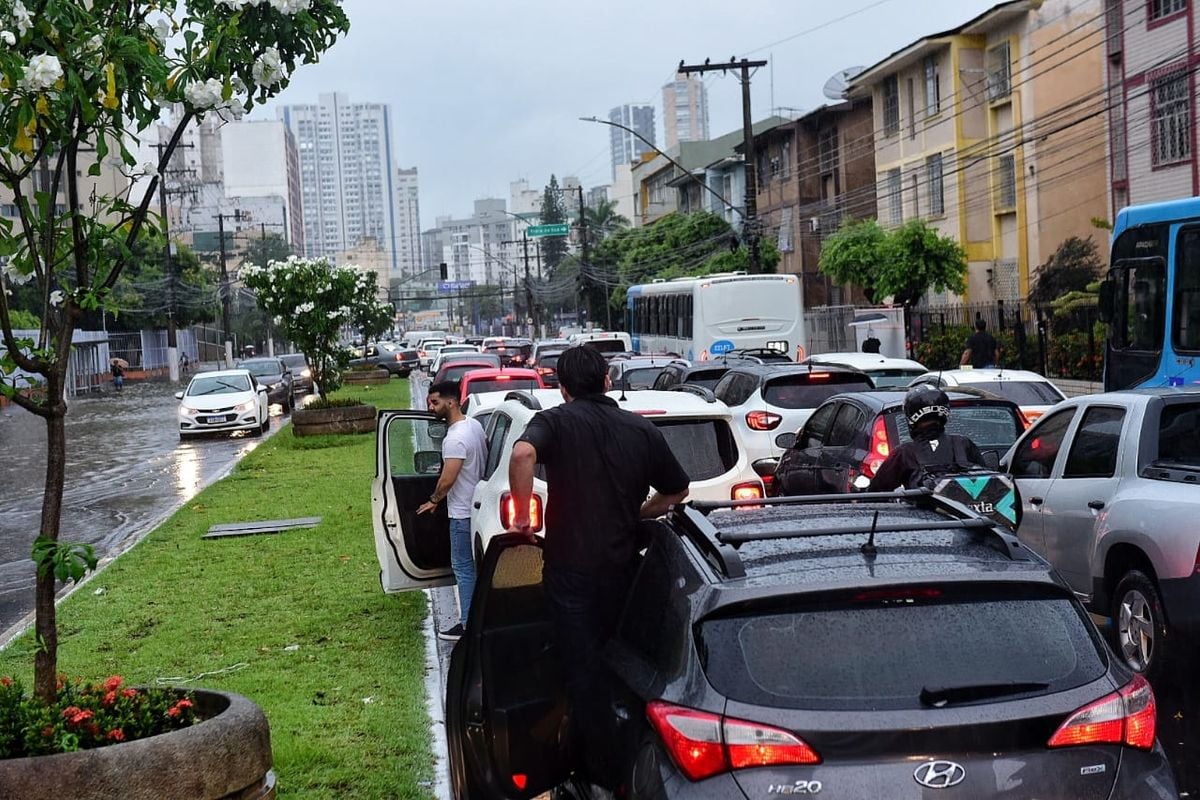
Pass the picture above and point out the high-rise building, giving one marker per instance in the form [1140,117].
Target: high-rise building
[685,110]
[625,146]
[346,175]
[408,222]
[262,165]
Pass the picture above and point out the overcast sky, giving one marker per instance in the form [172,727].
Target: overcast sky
[484,93]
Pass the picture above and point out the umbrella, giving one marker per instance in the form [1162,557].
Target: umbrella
[867,319]
[120,362]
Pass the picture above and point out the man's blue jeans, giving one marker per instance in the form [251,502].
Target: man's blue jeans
[462,561]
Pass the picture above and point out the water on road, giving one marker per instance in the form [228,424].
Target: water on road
[126,469]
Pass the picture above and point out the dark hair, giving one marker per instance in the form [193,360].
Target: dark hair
[581,370]
[450,389]
[981,324]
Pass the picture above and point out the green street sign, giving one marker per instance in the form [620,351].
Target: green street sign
[548,230]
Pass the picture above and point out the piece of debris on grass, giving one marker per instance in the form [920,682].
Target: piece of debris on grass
[264,526]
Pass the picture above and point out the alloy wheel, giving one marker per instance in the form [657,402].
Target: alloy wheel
[1135,630]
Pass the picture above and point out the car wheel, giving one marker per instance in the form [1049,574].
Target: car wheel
[1140,625]
[478,552]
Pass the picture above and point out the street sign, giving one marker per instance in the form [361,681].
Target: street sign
[561,229]
[445,287]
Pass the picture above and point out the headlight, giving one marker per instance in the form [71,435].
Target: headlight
[188,410]
[246,406]
[306,373]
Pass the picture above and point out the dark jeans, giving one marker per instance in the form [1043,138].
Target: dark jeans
[584,609]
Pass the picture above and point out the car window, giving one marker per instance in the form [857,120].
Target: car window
[498,385]
[846,426]
[708,378]
[726,387]
[705,448]
[1179,434]
[990,427]
[1023,393]
[666,379]
[641,378]
[223,384]
[1094,450]
[1001,635]
[454,372]
[607,345]
[260,368]
[802,390]
[817,428]
[892,378]
[1035,457]
[496,437]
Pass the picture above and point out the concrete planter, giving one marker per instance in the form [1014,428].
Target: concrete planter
[366,377]
[226,757]
[348,419]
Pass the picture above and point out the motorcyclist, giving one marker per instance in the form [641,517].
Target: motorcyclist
[926,410]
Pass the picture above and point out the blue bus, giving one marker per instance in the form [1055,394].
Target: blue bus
[1151,297]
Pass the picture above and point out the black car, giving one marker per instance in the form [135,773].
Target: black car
[895,646]
[275,376]
[302,380]
[698,373]
[851,434]
[546,364]
[512,352]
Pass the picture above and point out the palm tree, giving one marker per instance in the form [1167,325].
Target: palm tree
[603,219]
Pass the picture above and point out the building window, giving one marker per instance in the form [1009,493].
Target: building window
[1170,119]
[1165,8]
[933,87]
[999,72]
[895,207]
[937,189]
[1006,183]
[827,150]
[912,110]
[891,105]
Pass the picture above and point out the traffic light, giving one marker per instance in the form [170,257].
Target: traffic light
[443,271]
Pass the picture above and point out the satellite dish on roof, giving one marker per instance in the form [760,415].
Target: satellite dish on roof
[835,87]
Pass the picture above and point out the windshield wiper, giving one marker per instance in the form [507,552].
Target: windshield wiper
[938,696]
[224,385]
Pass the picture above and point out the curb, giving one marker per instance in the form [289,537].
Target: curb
[435,698]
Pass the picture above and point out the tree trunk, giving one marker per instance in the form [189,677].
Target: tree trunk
[45,665]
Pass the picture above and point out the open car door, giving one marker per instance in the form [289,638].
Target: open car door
[413,550]
[505,692]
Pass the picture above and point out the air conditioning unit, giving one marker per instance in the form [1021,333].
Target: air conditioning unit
[815,224]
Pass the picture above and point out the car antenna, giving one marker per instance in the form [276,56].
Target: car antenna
[868,548]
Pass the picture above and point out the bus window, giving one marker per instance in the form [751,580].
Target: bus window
[1140,302]
[1185,323]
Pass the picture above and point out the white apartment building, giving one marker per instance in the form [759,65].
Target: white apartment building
[685,110]
[262,168]
[408,223]
[626,147]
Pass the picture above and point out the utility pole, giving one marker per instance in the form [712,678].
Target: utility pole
[225,293]
[530,309]
[169,270]
[750,223]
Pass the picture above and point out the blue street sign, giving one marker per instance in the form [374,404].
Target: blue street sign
[445,287]
[720,347]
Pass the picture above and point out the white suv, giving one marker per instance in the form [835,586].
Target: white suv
[698,430]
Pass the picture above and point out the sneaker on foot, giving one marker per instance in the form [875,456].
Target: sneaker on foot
[452,634]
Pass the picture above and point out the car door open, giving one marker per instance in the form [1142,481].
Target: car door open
[413,549]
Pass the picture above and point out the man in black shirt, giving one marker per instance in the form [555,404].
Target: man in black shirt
[601,463]
[982,350]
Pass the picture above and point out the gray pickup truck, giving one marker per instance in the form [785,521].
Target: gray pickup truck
[1110,490]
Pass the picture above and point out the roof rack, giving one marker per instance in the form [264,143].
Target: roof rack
[524,398]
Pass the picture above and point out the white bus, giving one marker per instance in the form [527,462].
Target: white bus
[701,318]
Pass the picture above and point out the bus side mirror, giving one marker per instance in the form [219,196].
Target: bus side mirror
[1107,293]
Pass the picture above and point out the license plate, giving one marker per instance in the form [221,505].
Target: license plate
[219,418]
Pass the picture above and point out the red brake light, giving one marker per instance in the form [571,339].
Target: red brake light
[504,377]
[520,780]
[818,376]
[880,448]
[763,420]
[751,490]
[650,412]
[1127,716]
[703,744]
[508,510]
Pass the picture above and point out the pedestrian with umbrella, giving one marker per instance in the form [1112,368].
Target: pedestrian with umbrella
[118,367]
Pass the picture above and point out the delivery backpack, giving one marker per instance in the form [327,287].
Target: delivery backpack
[988,493]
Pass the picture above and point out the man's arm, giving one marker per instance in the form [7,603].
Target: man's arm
[890,475]
[966,358]
[658,504]
[520,483]
[450,469]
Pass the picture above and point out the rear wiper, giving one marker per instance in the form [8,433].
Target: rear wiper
[938,696]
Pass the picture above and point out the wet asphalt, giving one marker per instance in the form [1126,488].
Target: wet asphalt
[126,470]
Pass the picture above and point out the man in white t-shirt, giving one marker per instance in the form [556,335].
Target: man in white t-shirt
[464,451]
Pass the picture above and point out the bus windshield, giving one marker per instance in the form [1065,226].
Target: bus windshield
[1140,289]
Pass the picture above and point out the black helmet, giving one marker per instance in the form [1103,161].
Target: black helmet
[926,402]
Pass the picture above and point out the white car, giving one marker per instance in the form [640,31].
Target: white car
[887,373]
[1032,393]
[447,350]
[229,400]
[408,453]
[427,350]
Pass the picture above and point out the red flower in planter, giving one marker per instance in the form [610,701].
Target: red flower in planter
[129,692]
[173,712]
[116,735]
[48,731]
[184,703]
[6,681]
[113,683]
[70,711]
[109,700]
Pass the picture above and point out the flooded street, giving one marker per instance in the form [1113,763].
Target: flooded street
[126,469]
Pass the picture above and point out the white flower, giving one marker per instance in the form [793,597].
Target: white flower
[42,72]
[8,38]
[290,6]
[203,96]
[234,5]
[96,43]
[162,30]
[100,96]
[149,170]
[239,86]
[21,17]
[332,314]
[9,271]
[267,70]
[56,298]
[305,307]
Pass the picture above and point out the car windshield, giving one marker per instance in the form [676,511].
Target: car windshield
[454,372]
[1179,434]
[607,345]
[705,448]
[218,384]
[891,378]
[550,360]
[642,377]
[883,650]
[708,378]
[260,368]
[501,385]
[1023,393]
[989,427]
[294,360]
[809,390]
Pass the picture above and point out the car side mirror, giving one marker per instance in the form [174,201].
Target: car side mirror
[437,430]
[991,459]
[785,441]
[262,388]
[179,395]
[427,462]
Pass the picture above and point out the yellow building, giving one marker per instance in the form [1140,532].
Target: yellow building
[979,130]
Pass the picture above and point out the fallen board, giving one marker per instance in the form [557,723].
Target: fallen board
[265,526]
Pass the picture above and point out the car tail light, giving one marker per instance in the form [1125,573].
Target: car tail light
[545,371]
[880,448]
[763,420]
[750,490]
[650,412]
[703,744]
[398,358]
[818,376]
[508,510]
[504,377]
[1127,716]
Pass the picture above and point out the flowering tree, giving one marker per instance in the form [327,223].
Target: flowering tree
[312,301]
[80,80]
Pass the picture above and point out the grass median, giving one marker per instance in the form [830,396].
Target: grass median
[296,621]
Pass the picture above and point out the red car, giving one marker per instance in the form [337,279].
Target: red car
[455,370]
[478,381]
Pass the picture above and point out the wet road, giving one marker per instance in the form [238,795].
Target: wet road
[126,469]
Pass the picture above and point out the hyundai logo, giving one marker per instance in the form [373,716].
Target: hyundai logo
[940,774]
